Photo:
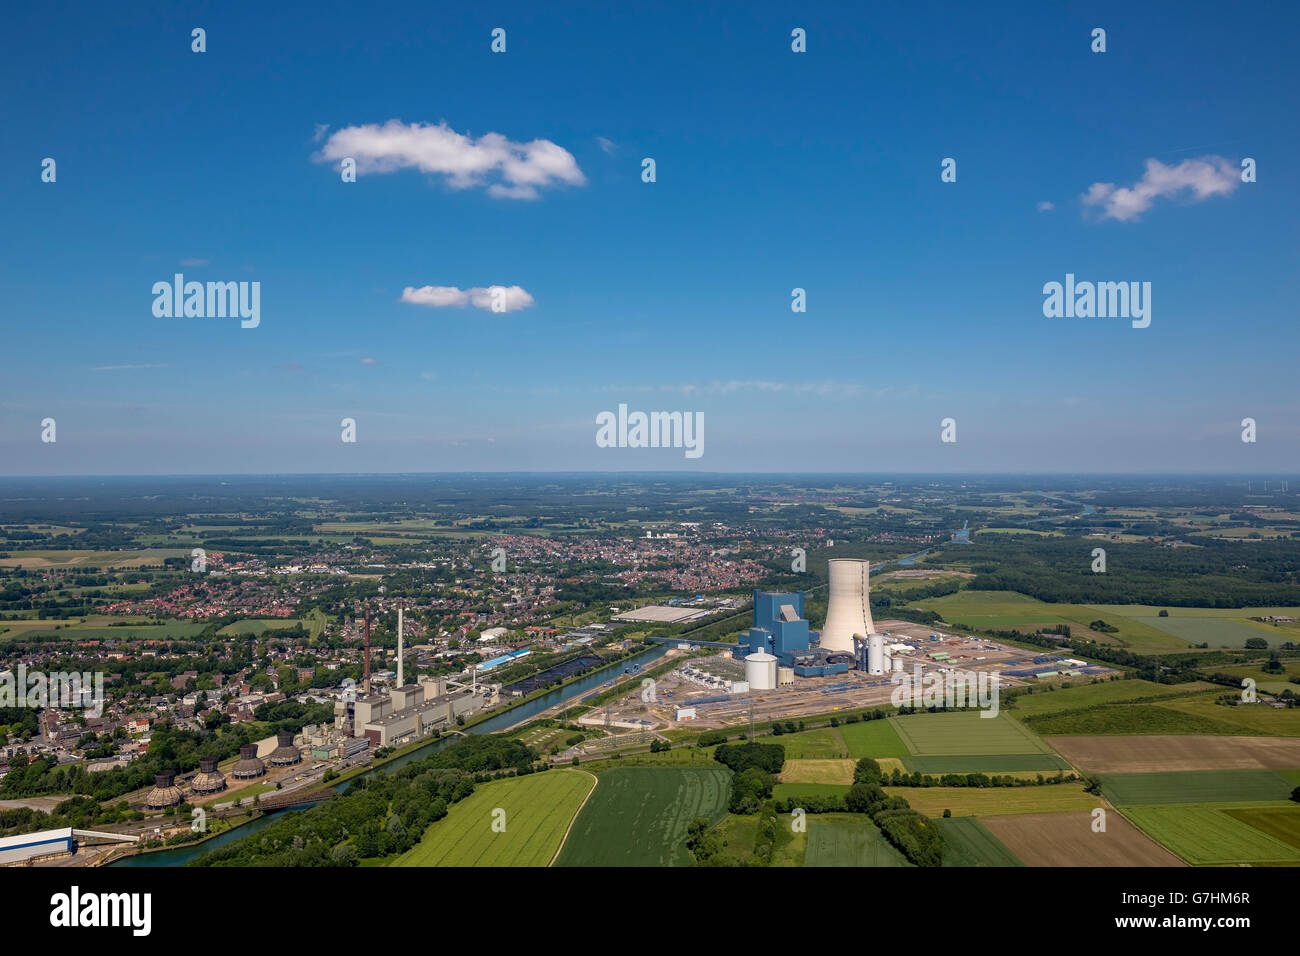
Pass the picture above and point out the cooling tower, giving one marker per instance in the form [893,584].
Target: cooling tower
[849,611]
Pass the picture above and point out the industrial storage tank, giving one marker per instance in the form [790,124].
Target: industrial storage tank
[760,671]
[898,664]
[849,610]
[784,676]
[875,654]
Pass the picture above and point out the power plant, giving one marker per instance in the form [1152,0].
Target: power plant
[849,612]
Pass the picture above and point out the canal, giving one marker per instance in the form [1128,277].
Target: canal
[499,721]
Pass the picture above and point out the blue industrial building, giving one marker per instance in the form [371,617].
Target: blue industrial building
[779,627]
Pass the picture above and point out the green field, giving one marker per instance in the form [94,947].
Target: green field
[801,791]
[847,839]
[990,801]
[538,808]
[1245,719]
[1127,719]
[257,626]
[637,816]
[75,632]
[1282,823]
[1218,627]
[965,733]
[1089,695]
[1206,836]
[812,744]
[1005,763]
[872,738]
[969,843]
[1002,610]
[1194,786]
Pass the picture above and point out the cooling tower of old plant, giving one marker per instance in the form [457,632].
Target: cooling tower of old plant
[849,611]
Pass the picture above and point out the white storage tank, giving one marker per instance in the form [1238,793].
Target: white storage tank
[760,671]
[875,654]
[898,664]
[784,676]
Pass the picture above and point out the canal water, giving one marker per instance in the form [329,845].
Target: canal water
[500,721]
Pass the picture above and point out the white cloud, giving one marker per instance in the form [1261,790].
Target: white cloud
[321,130]
[1045,206]
[441,296]
[1202,178]
[466,162]
[606,144]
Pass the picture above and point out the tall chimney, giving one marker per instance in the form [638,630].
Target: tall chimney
[400,672]
[365,673]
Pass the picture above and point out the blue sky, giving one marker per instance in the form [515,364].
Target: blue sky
[775,170]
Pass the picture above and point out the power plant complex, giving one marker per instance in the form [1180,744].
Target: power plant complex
[780,637]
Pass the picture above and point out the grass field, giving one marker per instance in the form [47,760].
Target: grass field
[1278,822]
[1194,786]
[1068,839]
[1012,610]
[1089,695]
[1249,718]
[969,843]
[965,733]
[1206,836]
[538,809]
[77,632]
[848,839]
[1150,754]
[818,771]
[825,743]
[970,801]
[801,791]
[1131,719]
[637,816]
[1218,627]
[90,559]
[1047,764]
[872,738]
[259,626]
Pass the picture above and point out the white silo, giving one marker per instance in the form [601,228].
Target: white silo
[875,654]
[849,609]
[898,664]
[760,671]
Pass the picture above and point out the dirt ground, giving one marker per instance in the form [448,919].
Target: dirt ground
[1148,754]
[1067,839]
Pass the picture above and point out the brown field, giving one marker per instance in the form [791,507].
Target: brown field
[1159,753]
[818,771]
[1066,839]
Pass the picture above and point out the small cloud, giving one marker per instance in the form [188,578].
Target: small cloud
[1201,178]
[1045,206]
[511,297]
[428,376]
[321,130]
[464,161]
[606,144]
[369,361]
[195,262]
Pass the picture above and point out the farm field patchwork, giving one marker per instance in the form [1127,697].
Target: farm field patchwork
[1206,836]
[965,733]
[969,843]
[872,738]
[1150,754]
[980,802]
[637,816]
[1195,786]
[538,809]
[1068,839]
[1251,718]
[847,839]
